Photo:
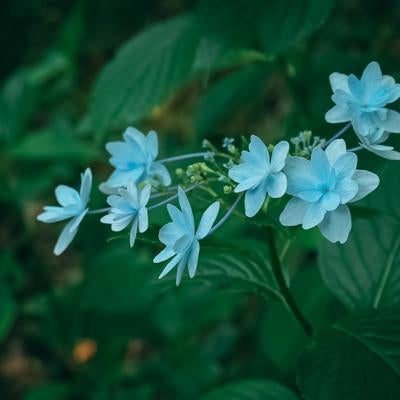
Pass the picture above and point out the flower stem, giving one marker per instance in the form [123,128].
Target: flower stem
[280,279]
[337,135]
[99,210]
[183,157]
[169,199]
[227,214]
[354,149]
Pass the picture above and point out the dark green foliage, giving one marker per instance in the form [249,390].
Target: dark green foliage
[96,323]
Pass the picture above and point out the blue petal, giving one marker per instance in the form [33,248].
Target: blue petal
[183,243]
[124,155]
[160,172]
[293,213]
[136,138]
[345,166]
[171,265]
[367,182]
[314,215]
[299,176]
[186,209]
[145,196]
[247,184]
[335,150]
[337,114]
[392,122]
[279,156]
[170,233]
[372,72]
[336,225]
[53,214]
[338,81]
[67,196]
[152,145]
[254,200]
[120,178]
[65,238]
[133,232]
[207,220]
[387,152]
[86,186]
[177,216]
[346,189]
[276,185]
[164,255]
[181,268]
[143,218]
[330,201]
[356,87]
[193,258]
[320,167]
[258,149]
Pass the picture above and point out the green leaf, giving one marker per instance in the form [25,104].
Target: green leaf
[233,270]
[227,95]
[251,390]
[286,22]
[364,272]
[48,145]
[50,391]
[146,70]
[356,359]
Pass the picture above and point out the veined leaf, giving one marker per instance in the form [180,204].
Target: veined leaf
[356,359]
[233,271]
[252,390]
[365,272]
[145,71]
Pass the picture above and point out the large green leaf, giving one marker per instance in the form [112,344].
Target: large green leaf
[286,22]
[365,272]
[278,24]
[251,390]
[356,359]
[145,71]
[233,270]
[227,95]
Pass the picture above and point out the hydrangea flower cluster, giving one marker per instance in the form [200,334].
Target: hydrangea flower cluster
[320,178]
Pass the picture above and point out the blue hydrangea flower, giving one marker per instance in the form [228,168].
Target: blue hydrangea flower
[129,207]
[181,239]
[322,186]
[363,101]
[73,207]
[134,159]
[259,174]
[373,142]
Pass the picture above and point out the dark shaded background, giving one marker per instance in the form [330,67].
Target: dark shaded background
[86,325]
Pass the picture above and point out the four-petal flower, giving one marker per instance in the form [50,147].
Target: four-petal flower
[181,239]
[129,207]
[322,186]
[363,101]
[73,206]
[259,174]
[134,160]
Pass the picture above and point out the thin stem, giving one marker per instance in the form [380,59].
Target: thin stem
[227,214]
[354,149]
[277,270]
[99,210]
[337,135]
[170,198]
[183,157]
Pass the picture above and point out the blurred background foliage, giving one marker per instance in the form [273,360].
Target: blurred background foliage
[94,323]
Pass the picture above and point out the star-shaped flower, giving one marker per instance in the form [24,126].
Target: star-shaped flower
[363,101]
[134,160]
[181,239]
[129,207]
[259,174]
[73,205]
[322,186]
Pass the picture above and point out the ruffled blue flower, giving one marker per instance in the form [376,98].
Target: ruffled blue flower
[322,186]
[260,175]
[129,208]
[363,101]
[373,143]
[134,160]
[73,207]
[181,239]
